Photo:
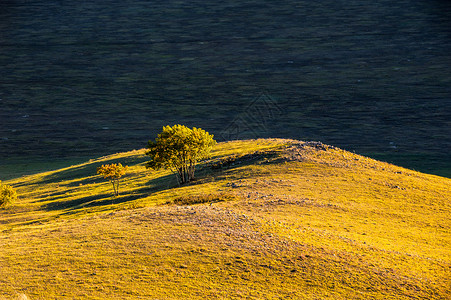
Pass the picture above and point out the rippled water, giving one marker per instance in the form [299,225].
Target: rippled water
[80,78]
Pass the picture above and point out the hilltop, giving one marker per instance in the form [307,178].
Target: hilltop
[267,218]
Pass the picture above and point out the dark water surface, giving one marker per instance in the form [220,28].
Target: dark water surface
[86,78]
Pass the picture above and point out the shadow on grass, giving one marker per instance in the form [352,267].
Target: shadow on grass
[89,170]
[215,166]
[152,186]
[166,182]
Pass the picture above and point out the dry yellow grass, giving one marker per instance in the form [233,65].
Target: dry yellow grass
[298,221]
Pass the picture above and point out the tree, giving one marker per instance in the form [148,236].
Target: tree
[8,195]
[179,148]
[113,172]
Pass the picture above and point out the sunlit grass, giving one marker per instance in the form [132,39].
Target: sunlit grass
[297,221]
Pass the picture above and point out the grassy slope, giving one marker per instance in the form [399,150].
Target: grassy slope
[305,222]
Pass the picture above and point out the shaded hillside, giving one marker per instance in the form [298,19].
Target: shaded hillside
[102,77]
[282,218]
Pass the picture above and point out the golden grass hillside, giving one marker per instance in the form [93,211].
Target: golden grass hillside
[265,219]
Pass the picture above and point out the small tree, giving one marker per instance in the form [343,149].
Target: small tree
[113,172]
[8,195]
[179,148]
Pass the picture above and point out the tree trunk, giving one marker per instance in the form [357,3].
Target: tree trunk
[115,184]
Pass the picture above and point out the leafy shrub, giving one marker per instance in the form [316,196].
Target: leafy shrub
[8,195]
[179,149]
[113,172]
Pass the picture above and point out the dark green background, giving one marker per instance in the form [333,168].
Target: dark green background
[86,78]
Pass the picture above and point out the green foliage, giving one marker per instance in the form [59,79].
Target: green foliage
[179,148]
[8,195]
[113,172]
